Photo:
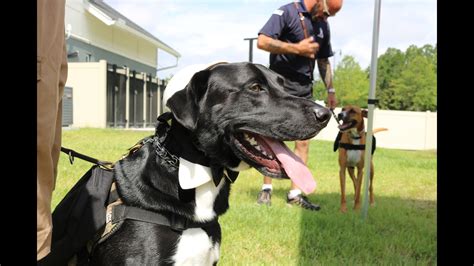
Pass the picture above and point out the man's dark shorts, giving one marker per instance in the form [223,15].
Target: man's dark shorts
[295,88]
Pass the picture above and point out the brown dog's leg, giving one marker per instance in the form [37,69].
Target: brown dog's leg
[342,178]
[358,187]
[372,201]
[351,171]
[351,174]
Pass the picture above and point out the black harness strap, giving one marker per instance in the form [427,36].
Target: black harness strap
[348,146]
[123,212]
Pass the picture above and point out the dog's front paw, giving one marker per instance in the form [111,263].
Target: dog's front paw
[343,208]
[357,207]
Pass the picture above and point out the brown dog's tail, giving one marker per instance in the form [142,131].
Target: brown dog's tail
[375,130]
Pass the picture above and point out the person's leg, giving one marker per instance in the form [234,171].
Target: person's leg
[59,117]
[51,76]
[267,180]
[265,195]
[47,111]
[295,195]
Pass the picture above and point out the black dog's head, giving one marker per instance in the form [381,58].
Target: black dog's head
[241,112]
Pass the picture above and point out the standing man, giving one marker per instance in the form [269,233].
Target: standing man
[51,75]
[296,35]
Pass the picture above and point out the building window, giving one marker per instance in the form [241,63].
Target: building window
[88,57]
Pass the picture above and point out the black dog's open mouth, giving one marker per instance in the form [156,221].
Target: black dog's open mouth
[273,158]
[347,124]
[255,149]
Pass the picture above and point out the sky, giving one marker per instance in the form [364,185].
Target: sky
[204,31]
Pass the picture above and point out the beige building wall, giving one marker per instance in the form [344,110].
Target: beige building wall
[89,83]
[406,130]
[88,28]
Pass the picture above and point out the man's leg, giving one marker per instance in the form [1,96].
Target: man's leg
[265,195]
[301,150]
[47,112]
[51,77]
[295,195]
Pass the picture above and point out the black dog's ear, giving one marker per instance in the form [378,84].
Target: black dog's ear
[272,75]
[184,104]
[337,141]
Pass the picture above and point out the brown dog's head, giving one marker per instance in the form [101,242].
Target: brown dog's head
[352,117]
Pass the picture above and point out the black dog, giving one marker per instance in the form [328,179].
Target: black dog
[228,117]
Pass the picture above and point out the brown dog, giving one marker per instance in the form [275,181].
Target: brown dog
[351,152]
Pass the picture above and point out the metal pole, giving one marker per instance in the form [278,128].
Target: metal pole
[145,91]
[250,48]
[127,97]
[371,103]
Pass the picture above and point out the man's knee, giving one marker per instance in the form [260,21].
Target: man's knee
[302,145]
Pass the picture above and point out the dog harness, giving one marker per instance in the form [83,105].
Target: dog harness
[116,212]
[349,146]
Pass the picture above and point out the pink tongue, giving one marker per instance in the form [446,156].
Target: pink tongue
[293,165]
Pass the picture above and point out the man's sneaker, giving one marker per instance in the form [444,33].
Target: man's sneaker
[303,201]
[264,197]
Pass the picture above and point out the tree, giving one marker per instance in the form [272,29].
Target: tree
[415,89]
[405,80]
[350,81]
[394,66]
[390,66]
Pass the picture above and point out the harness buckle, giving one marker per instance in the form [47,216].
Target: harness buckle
[108,217]
[178,223]
[71,157]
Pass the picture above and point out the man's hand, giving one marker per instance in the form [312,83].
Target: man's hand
[332,102]
[308,47]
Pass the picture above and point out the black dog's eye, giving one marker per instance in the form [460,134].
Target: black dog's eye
[256,87]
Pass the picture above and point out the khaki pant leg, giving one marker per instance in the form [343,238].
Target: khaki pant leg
[51,77]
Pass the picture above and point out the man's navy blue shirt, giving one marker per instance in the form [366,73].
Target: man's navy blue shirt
[284,25]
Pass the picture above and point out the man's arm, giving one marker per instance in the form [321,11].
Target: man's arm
[307,47]
[324,68]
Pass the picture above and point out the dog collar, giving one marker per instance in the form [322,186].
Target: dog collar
[194,167]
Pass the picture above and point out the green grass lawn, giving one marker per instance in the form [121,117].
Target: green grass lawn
[400,229]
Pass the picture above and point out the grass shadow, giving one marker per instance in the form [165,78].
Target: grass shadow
[396,231]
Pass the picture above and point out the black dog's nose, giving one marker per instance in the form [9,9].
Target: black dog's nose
[322,114]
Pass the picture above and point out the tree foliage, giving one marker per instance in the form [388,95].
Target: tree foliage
[350,81]
[405,80]
[408,81]
[415,89]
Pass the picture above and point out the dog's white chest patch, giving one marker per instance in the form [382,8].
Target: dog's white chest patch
[353,156]
[195,248]
[205,196]
[241,167]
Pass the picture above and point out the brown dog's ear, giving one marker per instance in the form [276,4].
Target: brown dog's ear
[364,113]
[184,104]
